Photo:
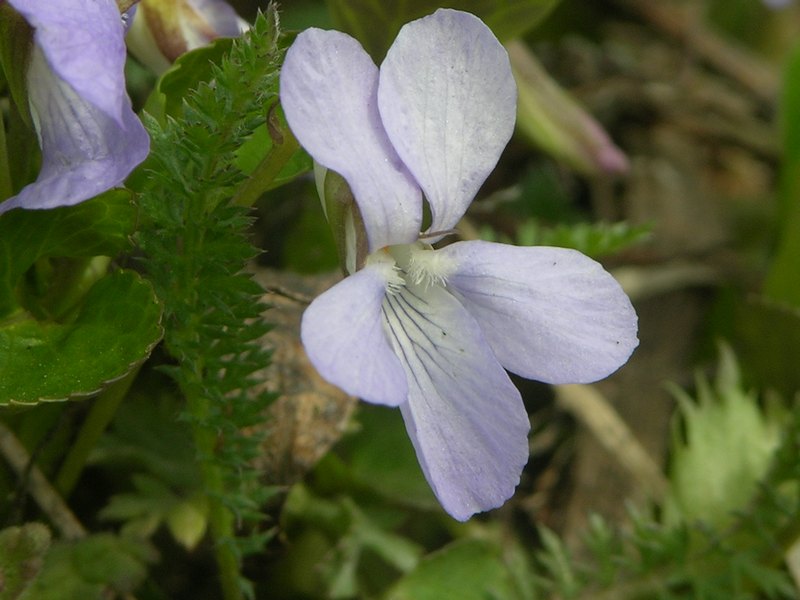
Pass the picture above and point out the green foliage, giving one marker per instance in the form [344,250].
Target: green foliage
[719,547]
[375,23]
[469,569]
[593,239]
[92,568]
[152,504]
[354,534]
[783,284]
[115,328]
[724,450]
[196,250]
[767,336]
[101,226]
[21,553]
[380,457]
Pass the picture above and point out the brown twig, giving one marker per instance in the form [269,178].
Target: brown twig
[38,486]
[719,53]
[594,412]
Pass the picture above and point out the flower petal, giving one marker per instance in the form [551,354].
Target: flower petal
[464,416]
[550,314]
[328,92]
[84,45]
[447,99]
[343,335]
[84,150]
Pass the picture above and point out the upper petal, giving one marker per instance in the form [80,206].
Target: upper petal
[464,416]
[342,332]
[447,99]
[328,92]
[84,150]
[550,314]
[84,46]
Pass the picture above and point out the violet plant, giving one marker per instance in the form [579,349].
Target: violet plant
[137,418]
[431,330]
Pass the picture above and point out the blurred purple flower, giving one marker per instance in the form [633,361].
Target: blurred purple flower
[162,30]
[90,137]
[433,330]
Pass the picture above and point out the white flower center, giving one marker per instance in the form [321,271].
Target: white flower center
[387,266]
[420,264]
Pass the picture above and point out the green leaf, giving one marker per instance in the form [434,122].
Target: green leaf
[152,504]
[97,567]
[593,239]
[15,45]
[189,70]
[468,569]
[21,552]
[721,448]
[381,457]
[375,23]
[100,226]
[115,329]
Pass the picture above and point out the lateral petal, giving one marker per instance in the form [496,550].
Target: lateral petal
[550,314]
[343,335]
[447,99]
[85,151]
[328,92]
[84,46]
[464,416]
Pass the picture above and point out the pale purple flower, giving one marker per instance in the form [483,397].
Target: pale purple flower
[89,135]
[433,330]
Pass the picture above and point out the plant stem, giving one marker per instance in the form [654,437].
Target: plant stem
[220,517]
[100,415]
[5,173]
[48,499]
[263,177]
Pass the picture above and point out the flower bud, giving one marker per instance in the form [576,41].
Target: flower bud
[162,30]
[555,122]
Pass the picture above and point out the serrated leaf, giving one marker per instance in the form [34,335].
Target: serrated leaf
[100,226]
[115,329]
[188,71]
[466,570]
[375,23]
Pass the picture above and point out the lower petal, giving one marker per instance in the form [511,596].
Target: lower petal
[464,416]
[343,335]
[550,314]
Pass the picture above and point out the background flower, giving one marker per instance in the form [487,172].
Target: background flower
[90,138]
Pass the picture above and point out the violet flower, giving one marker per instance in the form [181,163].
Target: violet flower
[433,330]
[89,136]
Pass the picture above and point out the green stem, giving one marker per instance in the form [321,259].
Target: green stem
[220,518]
[5,173]
[262,178]
[100,415]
